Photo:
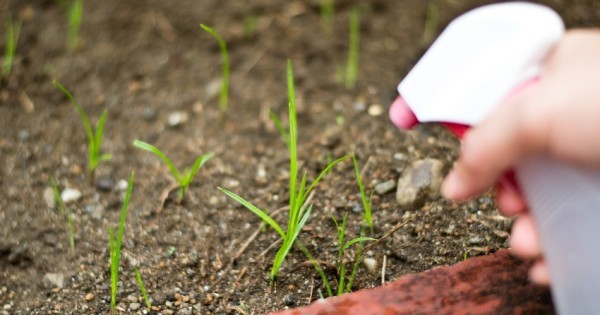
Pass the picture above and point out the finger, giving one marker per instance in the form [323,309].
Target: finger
[524,240]
[509,200]
[491,148]
[539,273]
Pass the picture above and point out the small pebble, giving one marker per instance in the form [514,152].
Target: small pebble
[104,183]
[289,299]
[134,306]
[70,195]
[23,135]
[121,185]
[89,297]
[385,187]
[370,264]
[54,280]
[132,299]
[177,118]
[149,114]
[375,110]
[49,197]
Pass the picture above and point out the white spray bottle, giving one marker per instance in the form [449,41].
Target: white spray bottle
[475,64]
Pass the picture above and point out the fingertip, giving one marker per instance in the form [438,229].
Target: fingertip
[510,201]
[524,240]
[539,273]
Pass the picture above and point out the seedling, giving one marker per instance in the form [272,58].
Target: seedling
[299,211]
[11,32]
[185,178]
[352,65]
[75,18]
[431,22]
[64,210]
[225,67]
[367,217]
[94,136]
[138,279]
[327,14]
[115,247]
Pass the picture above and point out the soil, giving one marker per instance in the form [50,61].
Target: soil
[143,61]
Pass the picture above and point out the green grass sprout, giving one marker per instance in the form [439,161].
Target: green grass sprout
[185,178]
[327,10]
[225,67]
[282,131]
[75,18]
[115,243]
[12,29]
[367,216]
[140,282]
[94,136]
[299,211]
[353,46]
[64,210]
[431,22]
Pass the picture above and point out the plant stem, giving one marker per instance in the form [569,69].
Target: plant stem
[352,66]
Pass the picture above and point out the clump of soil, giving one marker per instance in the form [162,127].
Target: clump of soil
[146,61]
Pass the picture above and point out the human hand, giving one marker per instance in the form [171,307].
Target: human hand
[559,116]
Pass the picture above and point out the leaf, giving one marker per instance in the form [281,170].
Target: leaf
[282,131]
[150,148]
[261,214]
[199,162]
[358,240]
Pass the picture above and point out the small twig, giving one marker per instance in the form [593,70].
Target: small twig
[396,228]
[366,166]
[238,309]
[312,289]
[164,195]
[245,245]
[242,273]
[383,268]
[269,248]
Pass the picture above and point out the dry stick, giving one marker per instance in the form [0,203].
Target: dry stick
[164,195]
[366,166]
[383,268]
[396,228]
[312,288]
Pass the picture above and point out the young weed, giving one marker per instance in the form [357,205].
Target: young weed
[94,136]
[367,217]
[75,18]
[140,282]
[431,22]
[327,10]
[352,65]
[183,178]
[299,212]
[225,67]
[64,210]
[115,247]
[12,29]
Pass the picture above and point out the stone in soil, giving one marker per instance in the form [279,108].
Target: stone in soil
[54,280]
[134,306]
[104,183]
[89,297]
[385,187]
[492,284]
[419,182]
[70,195]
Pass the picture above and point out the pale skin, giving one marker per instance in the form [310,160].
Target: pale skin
[559,116]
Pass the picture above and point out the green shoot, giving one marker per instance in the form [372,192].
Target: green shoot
[138,279]
[299,212]
[225,56]
[352,65]
[94,137]
[183,178]
[342,246]
[282,131]
[431,22]
[368,219]
[327,14]
[12,30]
[115,247]
[64,210]
[75,18]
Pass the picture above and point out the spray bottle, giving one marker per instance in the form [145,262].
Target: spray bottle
[480,59]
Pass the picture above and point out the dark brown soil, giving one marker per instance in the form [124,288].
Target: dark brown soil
[143,61]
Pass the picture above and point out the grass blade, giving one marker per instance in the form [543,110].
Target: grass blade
[323,173]
[368,218]
[293,136]
[75,18]
[84,117]
[288,242]
[140,282]
[198,164]
[261,214]
[282,131]
[352,65]
[152,149]
[225,68]
[360,239]
[13,29]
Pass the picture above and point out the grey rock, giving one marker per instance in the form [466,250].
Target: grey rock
[135,306]
[149,114]
[385,187]
[476,240]
[104,183]
[184,311]
[420,181]
[54,280]
[177,118]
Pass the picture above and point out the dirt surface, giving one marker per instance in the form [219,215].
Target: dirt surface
[144,61]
